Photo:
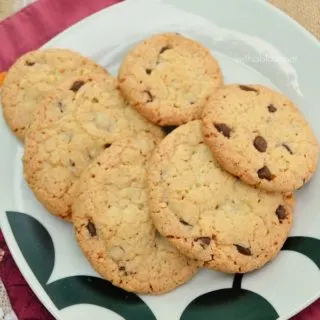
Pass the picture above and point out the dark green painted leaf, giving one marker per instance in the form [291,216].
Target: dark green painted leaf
[310,247]
[82,289]
[35,244]
[230,304]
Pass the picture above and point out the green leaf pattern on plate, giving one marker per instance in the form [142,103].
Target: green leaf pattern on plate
[229,304]
[305,245]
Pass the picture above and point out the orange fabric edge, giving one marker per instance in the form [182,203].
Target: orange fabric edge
[2,76]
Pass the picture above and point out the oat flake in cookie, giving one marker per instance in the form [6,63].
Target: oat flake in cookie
[32,76]
[168,78]
[260,136]
[113,226]
[94,117]
[207,213]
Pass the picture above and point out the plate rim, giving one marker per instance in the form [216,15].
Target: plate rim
[5,227]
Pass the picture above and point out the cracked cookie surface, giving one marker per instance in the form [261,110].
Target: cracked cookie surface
[260,136]
[94,116]
[55,105]
[32,76]
[113,225]
[207,213]
[168,78]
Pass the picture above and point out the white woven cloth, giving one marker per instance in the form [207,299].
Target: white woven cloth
[6,312]
[7,7]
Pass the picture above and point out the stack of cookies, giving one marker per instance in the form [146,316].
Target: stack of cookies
[164,170]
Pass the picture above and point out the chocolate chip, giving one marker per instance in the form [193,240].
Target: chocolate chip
[223,128]
[247,88]
[260,144]
[163,49]
[243,250]
[287,147]
[122,268]
[95,100]
[281,212]
[76,86]
[184,222]
[92,229]
[72,163]
[30,63]
[148,71]
[204,240]
[107,145]
[61,106]
[168,129]
[272,108]
[150,96]
[264,173]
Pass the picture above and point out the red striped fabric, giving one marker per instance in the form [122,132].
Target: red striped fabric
[36,24]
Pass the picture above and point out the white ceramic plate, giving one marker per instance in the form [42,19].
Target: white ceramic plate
[254,43]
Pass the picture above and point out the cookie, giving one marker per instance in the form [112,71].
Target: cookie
[32,76]
[168,78]
[55,105]
[209,214]
[113,225]
[260,136]
[56,155]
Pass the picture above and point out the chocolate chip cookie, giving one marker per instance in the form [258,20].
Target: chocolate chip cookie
[260,136]
[93,118]
[209,214]
[168,78]
[33,76]
[55,105]
[113,226]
